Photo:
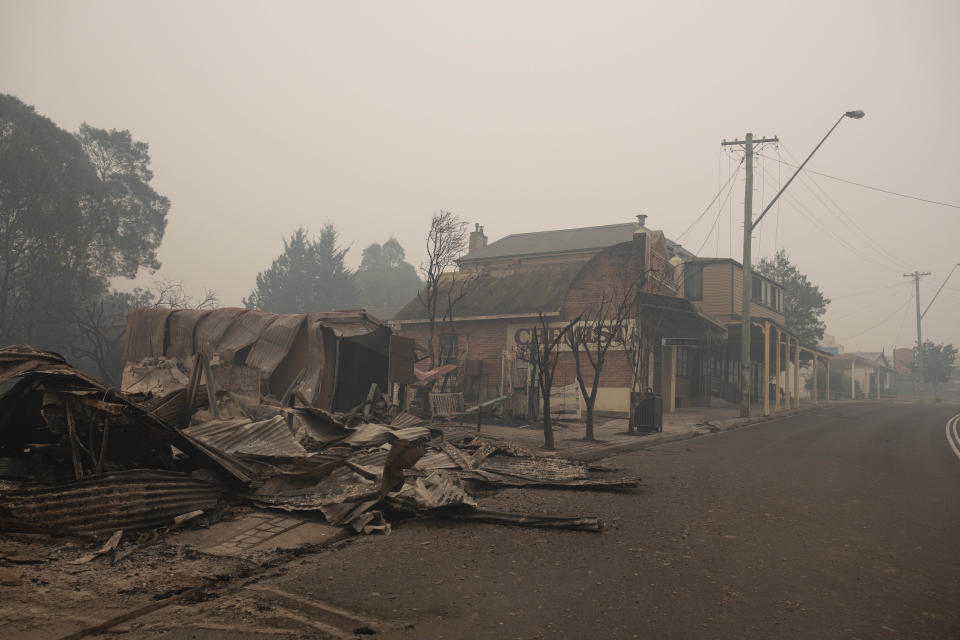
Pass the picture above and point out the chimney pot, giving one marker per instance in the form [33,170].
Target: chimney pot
[477,239]
[642,219]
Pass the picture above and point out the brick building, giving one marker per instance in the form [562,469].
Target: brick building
[505,290]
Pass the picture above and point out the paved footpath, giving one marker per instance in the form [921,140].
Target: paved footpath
[611,436]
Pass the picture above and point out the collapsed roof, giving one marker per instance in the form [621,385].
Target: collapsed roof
[328,359]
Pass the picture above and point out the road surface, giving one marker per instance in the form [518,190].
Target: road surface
[836,523]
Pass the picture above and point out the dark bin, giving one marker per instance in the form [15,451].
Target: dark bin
[646,414]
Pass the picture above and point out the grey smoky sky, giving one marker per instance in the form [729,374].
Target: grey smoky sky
[525,116]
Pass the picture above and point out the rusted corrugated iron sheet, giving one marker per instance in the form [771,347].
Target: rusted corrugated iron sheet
[349,323]
[402,359]
[180,329]
[244,331]
[405,419]
[274,343]
[46,371]
[265,438]
[146,332]
[137,499]
[211,329]
[306,359]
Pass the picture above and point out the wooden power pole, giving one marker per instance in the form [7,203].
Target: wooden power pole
[745,320]
[916,275]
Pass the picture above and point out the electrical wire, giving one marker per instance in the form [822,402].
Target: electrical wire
[719,211]
[861,308]
[866,186]
[903,319]
[707,208]
[869,291]
[776,233]
[847,220]
[823,228]
[896,311]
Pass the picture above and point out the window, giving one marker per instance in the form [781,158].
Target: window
[683,363]
[693,282]
[448,348]
[767,293]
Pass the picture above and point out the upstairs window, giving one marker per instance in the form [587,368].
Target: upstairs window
[693,282]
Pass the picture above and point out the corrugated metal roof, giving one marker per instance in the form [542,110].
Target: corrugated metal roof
[562,241]
[146,332]
[137,499]
[211,329]
[555,241]
[244,331]
[265,438]
[274,343]
[180,329]
[519,290]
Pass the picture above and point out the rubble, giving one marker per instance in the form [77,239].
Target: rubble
[80,459]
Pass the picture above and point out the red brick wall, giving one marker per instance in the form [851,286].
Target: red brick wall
[604,275]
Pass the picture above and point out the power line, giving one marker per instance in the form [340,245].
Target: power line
[898,310]
[863,309]
[868,291]
[847,220]
[707,208]
[887,191]
[902,320]
[825,230]
[776,230]
[719,211]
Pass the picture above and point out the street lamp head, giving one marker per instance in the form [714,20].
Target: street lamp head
[856,115]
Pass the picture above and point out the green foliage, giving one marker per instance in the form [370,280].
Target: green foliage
[385,278]
[803,302]
[75,211]
[309,275]
[935,363]
[130,213]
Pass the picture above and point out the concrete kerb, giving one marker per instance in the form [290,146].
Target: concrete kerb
[657,439]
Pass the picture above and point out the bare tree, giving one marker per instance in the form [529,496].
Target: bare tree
[544,354]
[101,326]
[604,325]
[446,242]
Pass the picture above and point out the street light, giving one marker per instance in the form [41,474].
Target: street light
[745,329]
[856,115]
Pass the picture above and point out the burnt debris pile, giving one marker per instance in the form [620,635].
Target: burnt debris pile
[79,458]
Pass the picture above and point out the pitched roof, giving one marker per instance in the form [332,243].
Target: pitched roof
[515,291]
[562,241]
[859,358]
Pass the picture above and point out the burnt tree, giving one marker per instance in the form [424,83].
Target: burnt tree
[544,354]
[443,288]
[603,325]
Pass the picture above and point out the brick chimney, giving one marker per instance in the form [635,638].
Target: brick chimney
[477,239]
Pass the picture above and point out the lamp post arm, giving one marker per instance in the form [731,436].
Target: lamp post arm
[939,290]
[795,173]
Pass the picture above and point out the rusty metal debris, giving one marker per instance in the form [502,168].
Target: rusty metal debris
[137,499]
[193,431]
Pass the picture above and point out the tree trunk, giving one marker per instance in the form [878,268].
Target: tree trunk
[589,403]
[547,425]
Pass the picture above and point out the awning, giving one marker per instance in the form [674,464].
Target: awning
[674,317]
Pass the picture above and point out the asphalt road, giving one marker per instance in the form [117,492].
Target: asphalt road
[838,523]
